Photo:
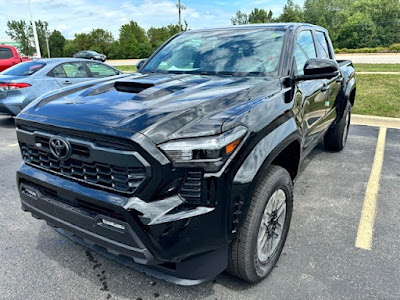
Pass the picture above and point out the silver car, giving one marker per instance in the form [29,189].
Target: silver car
[21,84]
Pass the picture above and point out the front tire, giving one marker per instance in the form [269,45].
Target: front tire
[255,251]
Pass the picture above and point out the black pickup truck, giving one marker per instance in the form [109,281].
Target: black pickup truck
[187,166]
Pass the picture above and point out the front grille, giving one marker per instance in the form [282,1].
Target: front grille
[124,178]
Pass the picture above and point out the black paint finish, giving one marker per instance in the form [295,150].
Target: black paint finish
[285,117]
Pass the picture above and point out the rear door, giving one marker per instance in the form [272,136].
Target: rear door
[333,84]
[98,70]
[71,73]
[310,95]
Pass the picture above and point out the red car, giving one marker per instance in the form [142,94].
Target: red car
[9,57]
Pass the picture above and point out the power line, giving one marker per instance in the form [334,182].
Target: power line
[96,13]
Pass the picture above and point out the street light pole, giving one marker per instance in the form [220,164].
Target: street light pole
[35,36]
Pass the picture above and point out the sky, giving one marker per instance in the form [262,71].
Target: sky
[81,16]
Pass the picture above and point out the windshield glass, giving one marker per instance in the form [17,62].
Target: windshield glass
[232,52]
[24,69]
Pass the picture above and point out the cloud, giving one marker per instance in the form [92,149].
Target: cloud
[77,16]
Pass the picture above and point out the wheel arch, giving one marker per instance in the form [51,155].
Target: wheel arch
[285,152]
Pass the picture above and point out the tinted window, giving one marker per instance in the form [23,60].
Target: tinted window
[5,53]
[233,52]
[322,45]
[304,50]
[24,69]
[70,70]
[100,70]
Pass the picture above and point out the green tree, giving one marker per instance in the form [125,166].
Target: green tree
[20,32]
[240,18]
[100,40]
[56,44]
[70,48]
[158,36]
[291,13]
[115,50]
[359,31]
[385,14]
[260,16]
[133,41]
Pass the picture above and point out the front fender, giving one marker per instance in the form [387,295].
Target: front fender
[254,166]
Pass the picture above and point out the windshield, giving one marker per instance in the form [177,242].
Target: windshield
[92,52]
[231,52]
[24,69]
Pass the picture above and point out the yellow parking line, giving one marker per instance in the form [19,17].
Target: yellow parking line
[368,214]
[13,145]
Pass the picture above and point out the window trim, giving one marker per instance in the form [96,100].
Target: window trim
[293,72]
[327,44]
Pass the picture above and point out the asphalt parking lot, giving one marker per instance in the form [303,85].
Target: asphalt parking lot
[319,261]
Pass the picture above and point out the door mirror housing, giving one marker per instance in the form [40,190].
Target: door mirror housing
[319,68]
[140,63]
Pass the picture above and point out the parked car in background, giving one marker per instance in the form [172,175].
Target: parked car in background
[24,57]
[23,83]
[88,54]
[9,57]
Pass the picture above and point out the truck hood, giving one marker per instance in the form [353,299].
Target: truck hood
[160,106]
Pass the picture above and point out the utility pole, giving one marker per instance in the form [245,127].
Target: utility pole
[34,31]
[47,42]
[180,8]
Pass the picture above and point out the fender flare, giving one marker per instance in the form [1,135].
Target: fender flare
[253,168]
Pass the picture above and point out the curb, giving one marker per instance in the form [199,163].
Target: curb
[375,121]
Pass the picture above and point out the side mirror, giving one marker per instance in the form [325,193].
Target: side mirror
[140,63]
[319,68]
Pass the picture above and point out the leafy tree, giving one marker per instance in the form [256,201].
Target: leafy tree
[291,13]
[359,31]
[20,32]
[100,40]
[133,41]
[70,48]
[240,18]
[158,36]
[260,16]
[385,14]
[56,44]
[115,50]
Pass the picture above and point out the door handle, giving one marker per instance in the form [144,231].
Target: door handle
[67,82]
[325,88]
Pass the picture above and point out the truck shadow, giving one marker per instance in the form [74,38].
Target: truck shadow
[7,122]
[114,279]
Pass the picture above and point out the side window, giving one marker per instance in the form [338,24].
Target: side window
[322,45]
[304,50]
[100,70]
[59,72]
[70,70]
[5,53]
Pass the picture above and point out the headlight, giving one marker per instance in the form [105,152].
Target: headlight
[209,153]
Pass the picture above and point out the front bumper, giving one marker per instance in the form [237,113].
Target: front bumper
[11,109]
[180,244]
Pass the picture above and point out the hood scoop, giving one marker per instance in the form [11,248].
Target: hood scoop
[132,86]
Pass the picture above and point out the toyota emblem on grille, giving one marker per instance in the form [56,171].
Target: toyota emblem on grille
[60,147]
